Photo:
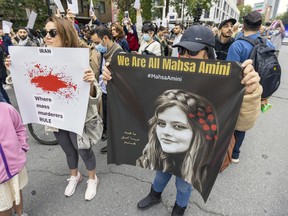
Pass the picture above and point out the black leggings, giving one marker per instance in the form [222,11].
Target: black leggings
[68,142]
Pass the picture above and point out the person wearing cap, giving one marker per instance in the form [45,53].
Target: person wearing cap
[240,51]
[198,42]
[225,39]
[22,38]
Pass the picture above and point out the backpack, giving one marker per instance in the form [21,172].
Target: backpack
[265,62]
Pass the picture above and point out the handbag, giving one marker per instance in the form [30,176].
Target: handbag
[91,134]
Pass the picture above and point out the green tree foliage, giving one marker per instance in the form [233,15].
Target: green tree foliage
[127,5]
[14,10]
[196,7]
[244,10]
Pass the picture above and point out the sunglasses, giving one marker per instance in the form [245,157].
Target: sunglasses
[51,32]
[182,50]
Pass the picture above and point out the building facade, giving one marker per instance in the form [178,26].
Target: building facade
[221,10]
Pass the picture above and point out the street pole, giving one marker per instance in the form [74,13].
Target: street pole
[49,9]
[164,10]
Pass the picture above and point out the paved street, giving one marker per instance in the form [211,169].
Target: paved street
[257,186]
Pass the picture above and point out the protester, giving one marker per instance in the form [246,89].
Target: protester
[22,38]
[119,37]
[198,42]
[160,38]
[178,29]
[13,148]
[131,35]
[146,32]
[225,39]
[102,37]
[61,33]
[240,51]
[278,34]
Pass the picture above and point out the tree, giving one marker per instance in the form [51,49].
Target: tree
[244,10]
[15,11]
[127,5]
[196,7]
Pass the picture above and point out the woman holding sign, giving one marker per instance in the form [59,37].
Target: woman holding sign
[59,32]
[197,42]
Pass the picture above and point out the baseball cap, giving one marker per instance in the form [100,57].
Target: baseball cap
[232,20]
[254,18]
[196,37]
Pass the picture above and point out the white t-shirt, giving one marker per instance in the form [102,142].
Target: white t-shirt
[175,50]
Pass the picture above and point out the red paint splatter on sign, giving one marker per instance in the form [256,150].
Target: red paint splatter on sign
[52,83]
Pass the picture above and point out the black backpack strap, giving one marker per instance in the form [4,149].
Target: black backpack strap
[249,40]
[258,40]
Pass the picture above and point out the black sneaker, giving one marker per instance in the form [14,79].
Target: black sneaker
[177,210]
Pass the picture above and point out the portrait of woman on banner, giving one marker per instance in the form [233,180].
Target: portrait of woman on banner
[182,136]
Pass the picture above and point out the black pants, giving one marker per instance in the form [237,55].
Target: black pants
[104,107]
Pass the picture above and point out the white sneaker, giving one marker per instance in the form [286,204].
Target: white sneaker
[235,160]
[73,182]
[91,190]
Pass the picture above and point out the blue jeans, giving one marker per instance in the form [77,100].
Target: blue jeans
[184,189]
[239,136]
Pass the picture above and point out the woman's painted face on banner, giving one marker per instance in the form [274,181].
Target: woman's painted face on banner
[173,130]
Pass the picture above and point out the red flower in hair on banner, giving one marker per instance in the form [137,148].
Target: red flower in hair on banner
[206,127]
[214,127]
[208,137]
[201,121]
[210,117]
[200,114]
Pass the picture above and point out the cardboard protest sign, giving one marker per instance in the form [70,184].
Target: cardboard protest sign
[49,85]
[176,115]
[137,4]
[59,6]
[73,6]
[32,20]
[6,26]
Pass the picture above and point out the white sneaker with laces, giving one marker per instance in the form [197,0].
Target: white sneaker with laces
[91,190]
[73,182]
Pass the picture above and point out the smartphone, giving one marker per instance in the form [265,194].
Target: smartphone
[126,14]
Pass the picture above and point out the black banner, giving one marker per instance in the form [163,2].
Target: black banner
[173,114]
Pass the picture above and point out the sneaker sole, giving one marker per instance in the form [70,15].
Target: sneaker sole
[75,187]
[150,205]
